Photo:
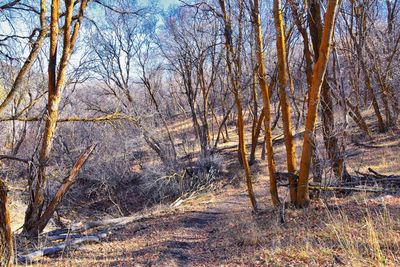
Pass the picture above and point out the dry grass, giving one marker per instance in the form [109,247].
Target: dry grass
[362,230]
[349,233]
[218,229]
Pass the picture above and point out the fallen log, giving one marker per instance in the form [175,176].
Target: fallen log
[377,174]
[283,177]
[81,227]
[346,188]
[357,189]
[107,223]
[30,257]
[64,237]
[391,181]
[63,189]
[375,146]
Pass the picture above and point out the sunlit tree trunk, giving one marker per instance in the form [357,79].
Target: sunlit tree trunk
[256,136]
[327,109]
[254,128]
[266,100]
[37,187]
[6,245]
[234,81]
[55,84]
[315,159]
[260,122]
[283,96]
[314,95]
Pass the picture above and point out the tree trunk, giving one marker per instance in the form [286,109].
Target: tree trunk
[267,105]
[315,159]
[283,96]
[235,86]
[385,96]
[6,245]
[55,84]
[328,119]
[37,188]
[255,137]
[314,95]
[328,124]
[65,186]
[259,125]
[375,105]
[254,128]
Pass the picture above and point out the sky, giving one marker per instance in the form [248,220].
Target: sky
[164,4]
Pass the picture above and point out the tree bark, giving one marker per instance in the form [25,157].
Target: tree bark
[65,186]
[283,96]
[55,83]
[37,188]
[314,95]
[242,146]
[6,245]
[254,128]
[266,100]
[315,159]
[328,119]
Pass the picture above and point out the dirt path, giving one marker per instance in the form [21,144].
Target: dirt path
[194,234]
[218,228]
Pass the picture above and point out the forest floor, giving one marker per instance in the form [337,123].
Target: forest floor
[218,228]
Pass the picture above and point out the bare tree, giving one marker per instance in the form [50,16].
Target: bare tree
[55,85]
[315,88]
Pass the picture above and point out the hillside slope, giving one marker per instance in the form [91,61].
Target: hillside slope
[218,227]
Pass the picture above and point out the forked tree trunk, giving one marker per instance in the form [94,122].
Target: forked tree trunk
[55,84]
[315,159]
[37,188]
[6,245]
[328,119]
[266,100]
[283,96]
[260,122]
[314,95]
